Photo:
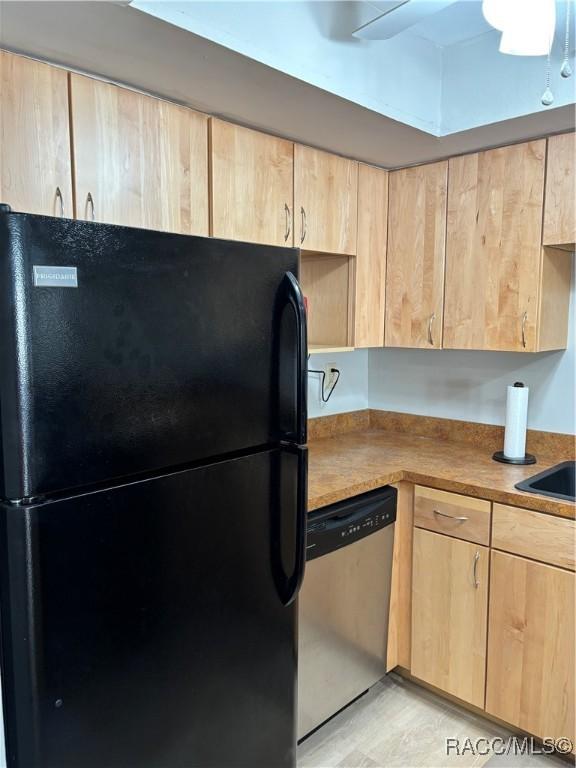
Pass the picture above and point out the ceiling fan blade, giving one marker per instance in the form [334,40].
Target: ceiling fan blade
[402,15]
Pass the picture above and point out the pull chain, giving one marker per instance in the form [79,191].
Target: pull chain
[547,96]
[566,69]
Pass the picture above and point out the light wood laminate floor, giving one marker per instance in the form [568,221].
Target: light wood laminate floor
[397,724]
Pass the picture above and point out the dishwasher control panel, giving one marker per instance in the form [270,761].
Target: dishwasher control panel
[348,521]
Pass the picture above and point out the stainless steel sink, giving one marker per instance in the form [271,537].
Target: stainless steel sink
[558,481]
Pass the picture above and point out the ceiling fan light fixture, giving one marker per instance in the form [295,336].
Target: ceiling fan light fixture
[500,14]
[532,31]
[518,43]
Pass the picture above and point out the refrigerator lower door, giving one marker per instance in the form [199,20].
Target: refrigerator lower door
[143,625]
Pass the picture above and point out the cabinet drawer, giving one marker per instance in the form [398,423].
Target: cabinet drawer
[535,535]
[460,516]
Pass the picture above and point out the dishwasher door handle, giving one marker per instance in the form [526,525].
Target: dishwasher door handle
[342,521]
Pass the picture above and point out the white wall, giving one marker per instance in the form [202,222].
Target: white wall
[351,392]
[471,386]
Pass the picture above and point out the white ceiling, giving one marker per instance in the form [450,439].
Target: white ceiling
[414,76]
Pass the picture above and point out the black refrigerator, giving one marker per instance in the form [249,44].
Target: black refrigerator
[152,497]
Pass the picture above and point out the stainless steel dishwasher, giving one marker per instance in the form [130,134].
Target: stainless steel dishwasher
[344,604]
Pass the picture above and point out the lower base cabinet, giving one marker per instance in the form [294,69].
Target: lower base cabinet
[505,644]
[449,614]
[531,671]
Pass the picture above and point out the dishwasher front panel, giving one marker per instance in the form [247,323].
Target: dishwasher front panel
[343,626]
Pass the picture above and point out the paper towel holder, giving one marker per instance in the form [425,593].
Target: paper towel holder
[501,456]
[528,458]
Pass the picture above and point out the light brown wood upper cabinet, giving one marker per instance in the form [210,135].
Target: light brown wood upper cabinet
[370,276]
[531,671]
[415,261]
[325,201]
[449,614]
[138,160]
[251,185]
[560,197]
[35,169]
[493,250]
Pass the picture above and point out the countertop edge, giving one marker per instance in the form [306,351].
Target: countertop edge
[543,504]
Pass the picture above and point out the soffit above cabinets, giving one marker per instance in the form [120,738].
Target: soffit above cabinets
[384,125]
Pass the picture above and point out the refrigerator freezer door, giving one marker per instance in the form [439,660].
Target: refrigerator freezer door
[143,625]
[125,351]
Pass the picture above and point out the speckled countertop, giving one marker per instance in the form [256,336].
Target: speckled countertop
[346,464]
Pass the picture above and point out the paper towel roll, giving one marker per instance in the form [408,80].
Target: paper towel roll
[516,421]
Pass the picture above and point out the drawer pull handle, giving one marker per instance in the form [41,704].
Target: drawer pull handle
[476,558]
[458,518]
[304,226]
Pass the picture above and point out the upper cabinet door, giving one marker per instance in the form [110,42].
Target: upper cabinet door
[138,161]
[325,201]
[416,248]
[370,282]
[35,174]
[559,202]
[493,252]
[252,185]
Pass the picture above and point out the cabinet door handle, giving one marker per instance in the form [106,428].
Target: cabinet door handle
[475,570]
[288,222]
[60,201]
[458,518]
[524,319]
[430,323]
[90,202]
[304,224]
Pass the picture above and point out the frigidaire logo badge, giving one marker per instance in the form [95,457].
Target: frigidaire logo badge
[55,277]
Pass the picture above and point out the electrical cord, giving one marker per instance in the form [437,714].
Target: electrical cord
[326,396]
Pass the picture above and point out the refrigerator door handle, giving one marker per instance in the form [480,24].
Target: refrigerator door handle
[289,586]
[295,299]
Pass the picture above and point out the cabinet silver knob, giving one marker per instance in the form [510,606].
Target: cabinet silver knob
[288,221]
[458,518]
[476,558]
[90,205]
[430,323]
[524,319]
[60,201]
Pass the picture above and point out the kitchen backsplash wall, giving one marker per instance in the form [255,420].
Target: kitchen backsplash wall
[351,392]
[471,386]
